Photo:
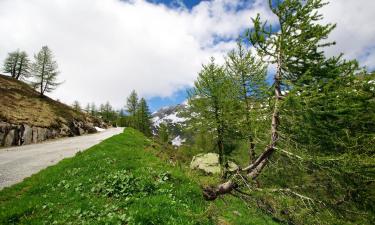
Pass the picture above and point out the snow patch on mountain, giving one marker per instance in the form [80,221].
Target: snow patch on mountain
[168,115]
[178,141]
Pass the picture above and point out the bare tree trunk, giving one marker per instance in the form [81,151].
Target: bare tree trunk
[13,73]
[42,75]
[20,69]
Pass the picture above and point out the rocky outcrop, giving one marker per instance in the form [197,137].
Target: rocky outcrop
[13,134]
[209,163]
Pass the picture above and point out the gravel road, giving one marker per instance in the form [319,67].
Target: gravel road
[17,163]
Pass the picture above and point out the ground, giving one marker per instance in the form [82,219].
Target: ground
[16,163]
[119,181]
[20,104]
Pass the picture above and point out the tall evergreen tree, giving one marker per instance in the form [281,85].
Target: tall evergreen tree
[88,108]
[17,64]
[132,103]
[45,71]
[132,106]
[144,117]
[249,77]
[212,101]
[77,106]
[93,109]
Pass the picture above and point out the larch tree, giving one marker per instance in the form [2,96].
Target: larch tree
[144,117]
[87,108]
[93,109]
[131,107]
[295,48]
[77,106]
[249,77]
[17,64]
[45,71]
[211,101]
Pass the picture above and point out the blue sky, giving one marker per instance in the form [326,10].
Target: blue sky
[156,103]
[173,3]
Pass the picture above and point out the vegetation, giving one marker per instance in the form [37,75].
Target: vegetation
[211,101]
[20,104]
[144,117]
[317,152]
[17,64]
[304,143]
[44,71]
[129,185]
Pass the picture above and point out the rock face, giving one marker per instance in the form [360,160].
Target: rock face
[13,134]
[209,163]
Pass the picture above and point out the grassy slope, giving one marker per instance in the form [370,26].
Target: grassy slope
[118,182]
[21,104]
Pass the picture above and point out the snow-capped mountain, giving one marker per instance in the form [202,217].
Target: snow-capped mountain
[171,116]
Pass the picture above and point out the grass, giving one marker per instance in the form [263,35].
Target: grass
[119,181]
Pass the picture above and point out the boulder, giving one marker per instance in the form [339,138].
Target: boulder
[209,163]
[81,131]
[65,130]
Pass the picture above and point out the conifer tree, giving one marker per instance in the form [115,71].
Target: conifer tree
[131,107]
[88,108]
[17,64]
[295,48]
[249,77]
[93,109]
[212,101]
[77,106]
[45,71]
[144,117]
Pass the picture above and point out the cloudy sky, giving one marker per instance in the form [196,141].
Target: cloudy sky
[106,48]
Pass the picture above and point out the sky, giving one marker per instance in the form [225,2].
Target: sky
[107,48]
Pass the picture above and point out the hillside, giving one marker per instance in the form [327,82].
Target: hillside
[120,181]
[27,118]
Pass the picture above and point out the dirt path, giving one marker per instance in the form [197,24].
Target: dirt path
[17,163]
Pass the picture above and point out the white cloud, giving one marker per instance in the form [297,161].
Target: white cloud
[106,48]
[355,31]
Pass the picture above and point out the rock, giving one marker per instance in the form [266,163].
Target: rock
[91,130]
[35,135]
[9,139]
[80,131]
[209,163]
[27,136]
[4,129]
[42,134]
[64,131]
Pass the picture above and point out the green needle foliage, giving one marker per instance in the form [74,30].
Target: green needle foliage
[144,118]
[211,101]
[248,75]
[44,71]
[17,64]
